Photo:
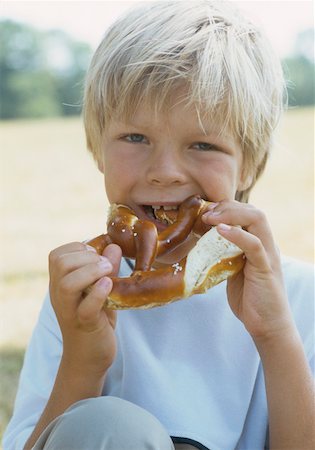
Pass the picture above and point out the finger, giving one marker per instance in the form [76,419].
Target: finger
[235,213]
[93,303]
[79,279]
[245,215]
[114,253]
[65,263]
[70,248]
[250,244]
[90,308]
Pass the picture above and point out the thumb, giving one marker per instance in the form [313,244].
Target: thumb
[113,253]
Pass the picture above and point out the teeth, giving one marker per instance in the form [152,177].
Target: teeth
[166,208]
[169,208]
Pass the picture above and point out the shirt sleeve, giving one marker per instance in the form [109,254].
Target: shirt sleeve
[41,362]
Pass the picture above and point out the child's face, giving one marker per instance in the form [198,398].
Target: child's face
[161,160]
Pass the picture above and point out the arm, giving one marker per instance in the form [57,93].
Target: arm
[290,392]
[257,297]
[89,344]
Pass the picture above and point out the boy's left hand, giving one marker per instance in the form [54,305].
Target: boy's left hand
[256,294]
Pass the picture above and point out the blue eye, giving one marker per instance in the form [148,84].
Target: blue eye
[135,138]
[205,146]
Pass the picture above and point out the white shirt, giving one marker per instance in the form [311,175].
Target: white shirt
[191,363]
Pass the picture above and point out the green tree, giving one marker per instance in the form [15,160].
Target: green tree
[41,74]
[299,69]
[68,61]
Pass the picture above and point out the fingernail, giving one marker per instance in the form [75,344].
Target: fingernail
[89,248]
[105,264]
[103,283]
[211,212]
[224,227]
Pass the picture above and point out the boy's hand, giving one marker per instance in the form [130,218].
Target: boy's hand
[89,344]
[256,294]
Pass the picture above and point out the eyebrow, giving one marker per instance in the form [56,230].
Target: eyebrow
[200,132]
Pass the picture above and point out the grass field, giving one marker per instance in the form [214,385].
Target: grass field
[52,194]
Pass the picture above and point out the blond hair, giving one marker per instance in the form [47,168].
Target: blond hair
[232,75]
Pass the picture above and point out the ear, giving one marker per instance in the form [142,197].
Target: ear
[245,182]
[100,165]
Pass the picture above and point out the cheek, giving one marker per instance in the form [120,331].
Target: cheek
[120,160]
[120,175]
[219,178]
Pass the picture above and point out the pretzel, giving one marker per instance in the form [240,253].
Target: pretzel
[211,261]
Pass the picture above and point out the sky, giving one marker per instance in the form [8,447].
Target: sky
[87,20]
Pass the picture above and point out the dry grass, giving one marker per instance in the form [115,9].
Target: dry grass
[52,194]
[10,365]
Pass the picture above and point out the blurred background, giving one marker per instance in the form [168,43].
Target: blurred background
[51,192]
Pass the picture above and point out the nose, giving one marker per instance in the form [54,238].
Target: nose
[166,167]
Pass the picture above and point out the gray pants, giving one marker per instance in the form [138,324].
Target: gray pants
[106,423]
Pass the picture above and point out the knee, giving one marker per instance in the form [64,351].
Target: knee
[111,413]
[109,423]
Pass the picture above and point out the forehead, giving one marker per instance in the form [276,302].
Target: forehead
[178,111]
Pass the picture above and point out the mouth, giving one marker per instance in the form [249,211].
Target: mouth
[163,214]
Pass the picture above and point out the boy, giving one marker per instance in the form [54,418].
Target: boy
[181,99]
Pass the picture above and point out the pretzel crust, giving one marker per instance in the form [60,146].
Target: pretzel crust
[211,261]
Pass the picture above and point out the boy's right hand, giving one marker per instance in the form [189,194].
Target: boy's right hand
[89,343]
